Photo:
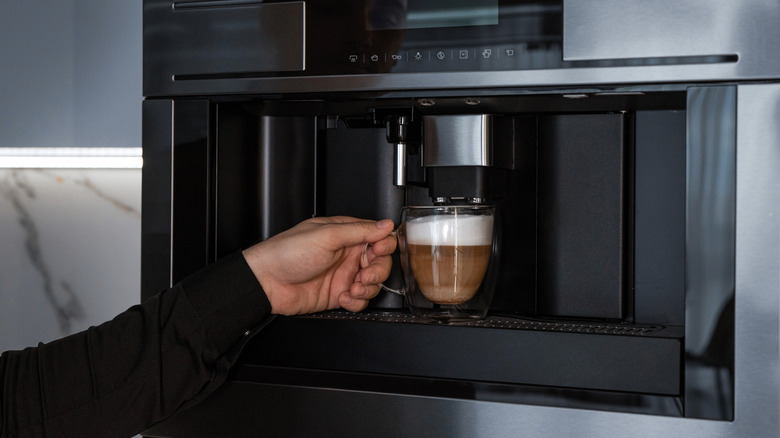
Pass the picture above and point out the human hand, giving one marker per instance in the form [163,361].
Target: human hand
[316,265]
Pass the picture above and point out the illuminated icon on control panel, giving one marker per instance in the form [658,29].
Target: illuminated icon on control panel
[463,54]
[510,52]
[374,58]
[396,57]
[353,58]
[441,55]
[487,53]
[418,56]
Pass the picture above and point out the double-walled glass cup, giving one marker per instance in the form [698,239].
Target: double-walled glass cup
[449,260]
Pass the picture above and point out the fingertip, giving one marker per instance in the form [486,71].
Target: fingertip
[358,290]
[346,299]
[356,305]
[385,223]
[389,244]
[368,277]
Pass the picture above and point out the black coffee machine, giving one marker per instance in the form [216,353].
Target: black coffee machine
[616,199]
[575,203]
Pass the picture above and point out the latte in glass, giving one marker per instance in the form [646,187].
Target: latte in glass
[449,255]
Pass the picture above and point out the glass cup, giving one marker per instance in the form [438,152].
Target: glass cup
[449,260]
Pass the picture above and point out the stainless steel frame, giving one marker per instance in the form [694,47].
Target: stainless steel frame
[630,33]
[275,410]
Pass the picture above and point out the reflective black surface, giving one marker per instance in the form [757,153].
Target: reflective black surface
[710,252]
[156,197]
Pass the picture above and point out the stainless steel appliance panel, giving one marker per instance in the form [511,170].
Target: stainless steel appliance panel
[740,45]
[757,267]
[618,29]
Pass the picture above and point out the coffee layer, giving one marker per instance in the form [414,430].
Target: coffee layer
[449,274]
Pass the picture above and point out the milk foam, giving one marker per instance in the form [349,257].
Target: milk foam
[450,230]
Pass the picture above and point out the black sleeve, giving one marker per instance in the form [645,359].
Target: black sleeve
[119,378]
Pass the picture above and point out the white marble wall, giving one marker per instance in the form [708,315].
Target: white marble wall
[69,250]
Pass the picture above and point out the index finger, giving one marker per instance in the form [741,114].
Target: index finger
[344,233]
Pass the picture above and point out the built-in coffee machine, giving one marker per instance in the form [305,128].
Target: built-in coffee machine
[630,151]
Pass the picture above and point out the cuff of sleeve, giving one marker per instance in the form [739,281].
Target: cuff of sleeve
[228,300]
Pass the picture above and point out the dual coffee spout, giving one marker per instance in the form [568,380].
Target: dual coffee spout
[465,157]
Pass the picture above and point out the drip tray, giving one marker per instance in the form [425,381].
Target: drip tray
[500,349]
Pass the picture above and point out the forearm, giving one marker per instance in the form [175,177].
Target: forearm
[122,376]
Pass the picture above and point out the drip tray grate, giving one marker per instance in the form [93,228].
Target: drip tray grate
[501,322]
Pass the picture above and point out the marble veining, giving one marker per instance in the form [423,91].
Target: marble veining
[70,247]
[65,303]
[88,184]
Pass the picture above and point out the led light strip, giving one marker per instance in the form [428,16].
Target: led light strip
[71,158]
